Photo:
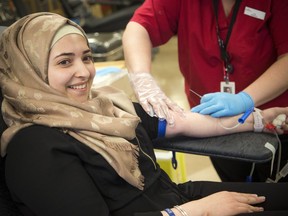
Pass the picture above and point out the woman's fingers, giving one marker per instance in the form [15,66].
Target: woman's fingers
[249,198]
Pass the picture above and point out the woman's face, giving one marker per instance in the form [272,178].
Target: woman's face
[70,68]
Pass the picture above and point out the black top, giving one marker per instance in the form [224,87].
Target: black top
[120,197]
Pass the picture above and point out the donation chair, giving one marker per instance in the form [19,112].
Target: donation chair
[246,146]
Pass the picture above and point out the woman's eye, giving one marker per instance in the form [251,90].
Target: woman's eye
[88,58]
[64,62]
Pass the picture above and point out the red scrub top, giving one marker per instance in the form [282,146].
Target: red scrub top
[254,44]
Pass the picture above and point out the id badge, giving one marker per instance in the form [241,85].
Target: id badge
[227,87]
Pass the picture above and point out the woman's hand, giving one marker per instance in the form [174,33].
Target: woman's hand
[224,203]
[275,118]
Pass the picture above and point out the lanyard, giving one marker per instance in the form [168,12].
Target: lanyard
[228,67]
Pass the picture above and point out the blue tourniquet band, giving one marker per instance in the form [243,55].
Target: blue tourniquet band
[161,127]
[169,212]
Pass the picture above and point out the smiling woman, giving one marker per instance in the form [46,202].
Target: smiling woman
[70,68]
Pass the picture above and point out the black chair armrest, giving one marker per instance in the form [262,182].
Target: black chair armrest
[246,146]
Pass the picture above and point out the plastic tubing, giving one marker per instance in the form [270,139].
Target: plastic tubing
[242,119]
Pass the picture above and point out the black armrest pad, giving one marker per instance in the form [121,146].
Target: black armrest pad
[246,146]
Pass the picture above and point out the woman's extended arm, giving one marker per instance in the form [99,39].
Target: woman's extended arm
[197,125]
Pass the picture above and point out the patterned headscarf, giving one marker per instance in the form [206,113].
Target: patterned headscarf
[105,122]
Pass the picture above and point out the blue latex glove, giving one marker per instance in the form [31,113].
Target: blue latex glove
[221,104]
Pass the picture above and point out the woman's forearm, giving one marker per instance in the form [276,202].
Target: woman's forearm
[198,125]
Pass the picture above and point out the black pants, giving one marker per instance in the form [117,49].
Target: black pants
[237,171]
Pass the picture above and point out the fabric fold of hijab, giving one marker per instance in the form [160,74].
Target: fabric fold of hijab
[105,122]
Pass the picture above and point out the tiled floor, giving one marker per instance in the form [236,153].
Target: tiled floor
[166,71]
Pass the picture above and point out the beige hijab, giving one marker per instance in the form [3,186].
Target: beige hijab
[104,123]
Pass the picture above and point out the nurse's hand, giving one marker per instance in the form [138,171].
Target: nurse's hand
[151,97]
[222,104]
